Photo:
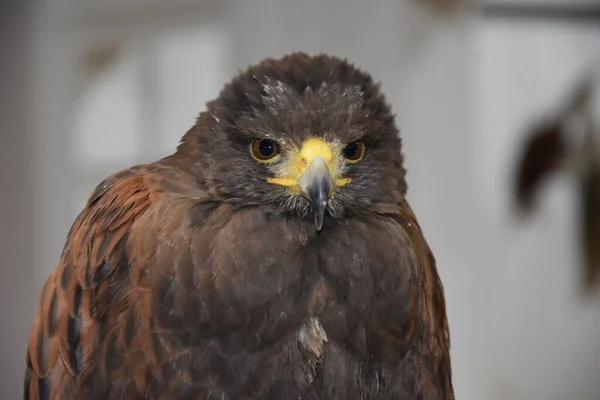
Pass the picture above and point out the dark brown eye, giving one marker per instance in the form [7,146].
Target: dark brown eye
[354,152]
[264,150]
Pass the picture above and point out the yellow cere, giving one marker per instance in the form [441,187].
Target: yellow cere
[294,165]
[315,147]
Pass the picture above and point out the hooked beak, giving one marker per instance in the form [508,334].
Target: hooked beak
[312,175]
[316,185]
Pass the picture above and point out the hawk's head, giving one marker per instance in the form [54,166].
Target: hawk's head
[308,135]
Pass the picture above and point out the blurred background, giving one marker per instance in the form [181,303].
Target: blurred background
[91,86]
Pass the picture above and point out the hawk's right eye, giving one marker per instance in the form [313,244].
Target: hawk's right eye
[264,150]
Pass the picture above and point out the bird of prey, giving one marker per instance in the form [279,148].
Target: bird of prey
[273,256]
[552,147]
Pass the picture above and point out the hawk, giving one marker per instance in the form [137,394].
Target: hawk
[273,256]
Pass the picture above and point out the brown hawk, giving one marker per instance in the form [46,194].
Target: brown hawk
[272,256]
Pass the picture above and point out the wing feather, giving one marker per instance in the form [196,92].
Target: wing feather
[76,296]
[438,372]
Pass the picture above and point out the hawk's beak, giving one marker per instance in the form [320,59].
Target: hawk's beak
[312,175]
[316,185]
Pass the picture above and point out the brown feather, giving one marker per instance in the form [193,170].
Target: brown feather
[434,305]
[75,297]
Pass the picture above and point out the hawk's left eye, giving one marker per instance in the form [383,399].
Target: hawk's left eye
[354,152]
[264,150]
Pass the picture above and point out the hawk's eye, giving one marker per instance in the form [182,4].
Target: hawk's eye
[354,152]
[264,150]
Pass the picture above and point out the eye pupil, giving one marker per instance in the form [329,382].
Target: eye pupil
[266,148]
[354,151]
[351,150]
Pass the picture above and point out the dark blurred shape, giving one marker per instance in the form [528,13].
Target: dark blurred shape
[547,150]
[544,149]
[99,57]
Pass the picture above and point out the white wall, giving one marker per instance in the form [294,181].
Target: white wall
[544,334]
[461,89]
[16,195]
